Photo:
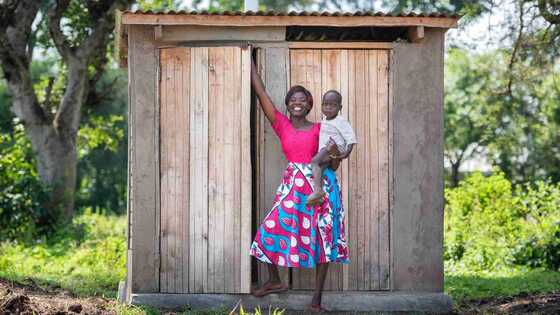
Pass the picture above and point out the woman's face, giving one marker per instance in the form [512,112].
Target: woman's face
[298,105]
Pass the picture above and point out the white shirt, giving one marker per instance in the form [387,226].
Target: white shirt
[340,130]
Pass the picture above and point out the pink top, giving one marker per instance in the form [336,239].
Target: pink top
[299,146]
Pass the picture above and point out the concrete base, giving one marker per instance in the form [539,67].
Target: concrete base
[299,300]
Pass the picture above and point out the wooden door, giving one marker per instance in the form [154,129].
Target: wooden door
[205,170]
[362,77]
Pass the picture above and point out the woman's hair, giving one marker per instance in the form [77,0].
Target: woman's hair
[298,88]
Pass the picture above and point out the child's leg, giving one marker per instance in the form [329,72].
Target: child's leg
[320,160]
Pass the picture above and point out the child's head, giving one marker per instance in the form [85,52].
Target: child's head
[332,104]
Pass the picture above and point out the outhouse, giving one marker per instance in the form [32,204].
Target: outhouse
[204,164]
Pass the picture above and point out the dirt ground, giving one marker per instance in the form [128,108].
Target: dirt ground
[32,299]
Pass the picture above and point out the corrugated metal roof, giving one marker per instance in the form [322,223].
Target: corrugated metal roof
[299,13]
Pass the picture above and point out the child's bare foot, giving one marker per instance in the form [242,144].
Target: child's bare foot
[315,197]
[270,287]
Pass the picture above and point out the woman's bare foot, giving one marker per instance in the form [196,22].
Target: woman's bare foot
[315,197]
[315,305]
[269,287]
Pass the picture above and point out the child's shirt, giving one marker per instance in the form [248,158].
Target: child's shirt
[340,130]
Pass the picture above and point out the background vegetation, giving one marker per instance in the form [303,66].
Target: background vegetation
[502,116]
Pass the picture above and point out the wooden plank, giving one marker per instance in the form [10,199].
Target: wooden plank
[361,191]
[181,33]
[372,271]
[185,114]
[391,165]
[164,168]
[383,121]
[231,162]
[144,258]
[415,34]
[345,174]
[352,231]
[274,76]
[198,281]
[174,99]
[246,173]
[340,45]
[251,20]
[216,159]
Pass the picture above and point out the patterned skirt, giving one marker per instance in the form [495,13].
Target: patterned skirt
[295,235]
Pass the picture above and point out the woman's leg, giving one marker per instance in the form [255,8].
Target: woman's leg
[273,285]
[320,277]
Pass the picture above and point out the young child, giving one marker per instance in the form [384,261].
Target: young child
[336,140]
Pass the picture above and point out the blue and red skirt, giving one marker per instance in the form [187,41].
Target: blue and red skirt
[296,235]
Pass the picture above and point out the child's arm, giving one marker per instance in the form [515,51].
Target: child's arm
[264,99]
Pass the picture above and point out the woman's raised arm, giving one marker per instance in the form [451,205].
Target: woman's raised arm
[264,99]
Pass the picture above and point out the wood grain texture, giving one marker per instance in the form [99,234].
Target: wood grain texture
[383,166]
[244,282]
[206,170]
[362,80]
[274,67]
[198,205]
[143,262]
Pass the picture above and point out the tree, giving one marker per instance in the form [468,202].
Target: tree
[80,32]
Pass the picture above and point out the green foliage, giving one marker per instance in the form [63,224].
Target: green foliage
[23,213]
[491,225]
[102,148]
[87,257]
[539,239]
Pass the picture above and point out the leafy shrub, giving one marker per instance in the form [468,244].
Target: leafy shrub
[22,195]
[539,241]
[491,224]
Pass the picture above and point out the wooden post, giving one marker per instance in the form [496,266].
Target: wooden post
[158,32]
[416,34]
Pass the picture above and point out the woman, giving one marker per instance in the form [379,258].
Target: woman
[292,233]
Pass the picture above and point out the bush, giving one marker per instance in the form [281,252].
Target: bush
[539,241]
[490,224]
[22,196]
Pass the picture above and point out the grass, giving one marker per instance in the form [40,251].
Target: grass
[87,258]
[469,285]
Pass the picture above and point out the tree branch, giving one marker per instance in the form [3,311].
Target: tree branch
[55,15]
[16,20]
[546,11]
[103,14]
[515,49]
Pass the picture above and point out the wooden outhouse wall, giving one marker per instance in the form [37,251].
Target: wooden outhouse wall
[392,184]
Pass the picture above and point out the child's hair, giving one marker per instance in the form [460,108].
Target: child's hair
[335,92]
[298,88]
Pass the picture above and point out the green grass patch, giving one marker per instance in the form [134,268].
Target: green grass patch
[86,257]
[468,285]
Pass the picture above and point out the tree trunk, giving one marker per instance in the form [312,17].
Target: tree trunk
[455,174]
[57,164]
